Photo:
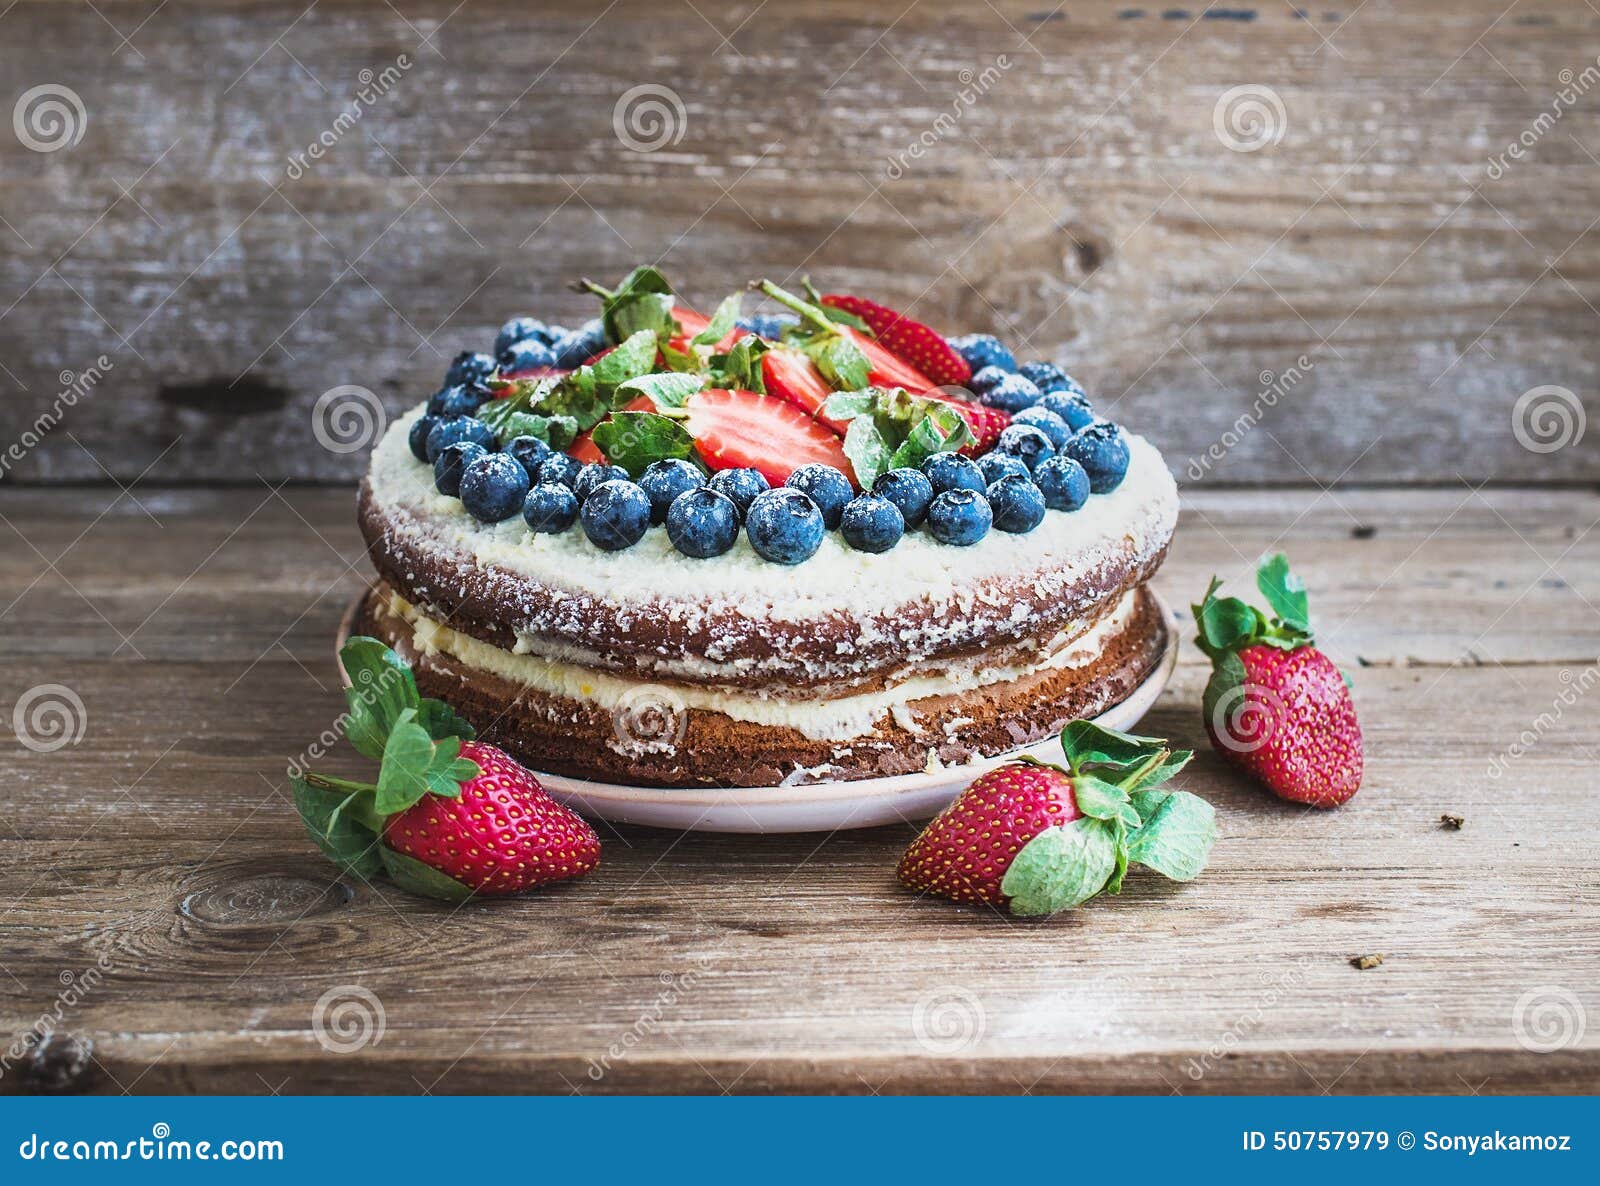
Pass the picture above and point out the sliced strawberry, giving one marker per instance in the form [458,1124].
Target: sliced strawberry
[691,321]
[745,429]
[985,422]
[908,340]
[790,375]
[888,370]
[585,450]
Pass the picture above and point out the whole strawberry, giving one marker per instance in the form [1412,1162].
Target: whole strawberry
[1033,839]
[1276,706]
[448,817]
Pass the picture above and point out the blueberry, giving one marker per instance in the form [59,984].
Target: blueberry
[871,523]
[908,489]
[577,346]
[959,517]
[741,485]
[828,488]
[460,428]
[591,476]
[1047,422]
[550,508]
[493,487]
[984,350]
[663,481]
[467,368]
[1018,504]
[767,325]
[1103,453]
[702,523]
[1072,407]
[784,526]
[530,452]
[519,328]
[449,462]
[1048,377]
[525,356]
[951,471]
[1026,443]
[994,466]
[1063,483]
[561,469]
[463,399]
[418,437]
[1011,394]
[987,379]
[615,515]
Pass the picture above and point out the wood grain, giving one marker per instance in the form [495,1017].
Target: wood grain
[1083,204]
[161,850]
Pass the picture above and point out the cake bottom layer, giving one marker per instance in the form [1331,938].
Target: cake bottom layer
[651,738]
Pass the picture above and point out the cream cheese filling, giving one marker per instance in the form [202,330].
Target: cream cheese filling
[839,719]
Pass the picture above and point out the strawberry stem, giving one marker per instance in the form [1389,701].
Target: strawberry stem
[805,309]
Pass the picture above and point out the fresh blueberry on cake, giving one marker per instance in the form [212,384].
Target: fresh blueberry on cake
[841,544]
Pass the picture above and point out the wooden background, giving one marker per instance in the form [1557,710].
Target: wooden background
[1083,203]
[155,567]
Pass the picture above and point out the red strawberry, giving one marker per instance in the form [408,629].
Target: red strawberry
[448,817]
[965,852]
[829,343]
[986,422]
[501,835]
[584,448]
[737,429]
[1033,839]
[888,369]
[790,375]
[1276,706]
[910,340]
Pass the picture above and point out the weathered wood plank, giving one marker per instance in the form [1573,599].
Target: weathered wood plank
[1083,203]
[159,863]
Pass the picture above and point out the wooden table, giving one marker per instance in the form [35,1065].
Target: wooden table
[157,891]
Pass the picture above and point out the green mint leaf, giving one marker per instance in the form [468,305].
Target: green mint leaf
[740,367]
[556,431]
[635,439]
[343,838]
[665,390]
[841,362]
[846,405]
[415,765]
[414,877]
[635,356]
[1088,744]
[649,312]
[721,321]
[1061,867]
[865,447]
[1177,837]
[441,721]
[381,689]
[1100,799]
[1285,592]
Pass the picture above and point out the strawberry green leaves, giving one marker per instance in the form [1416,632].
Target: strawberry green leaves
[382,690]
[664,389]
[1285,593]
[641,303]
[842,363]
[635,439]
[1225,624]
[344,839]
[415,765]
[892,429]
[555,409]
[1128,817]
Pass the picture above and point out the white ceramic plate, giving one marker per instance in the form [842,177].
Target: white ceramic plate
[818,806]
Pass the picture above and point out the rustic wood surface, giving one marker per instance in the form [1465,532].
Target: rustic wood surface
[157,866]
[1081,200]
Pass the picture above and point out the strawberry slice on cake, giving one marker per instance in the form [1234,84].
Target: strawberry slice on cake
[748,430]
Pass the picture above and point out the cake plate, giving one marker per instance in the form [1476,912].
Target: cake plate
[818,806]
